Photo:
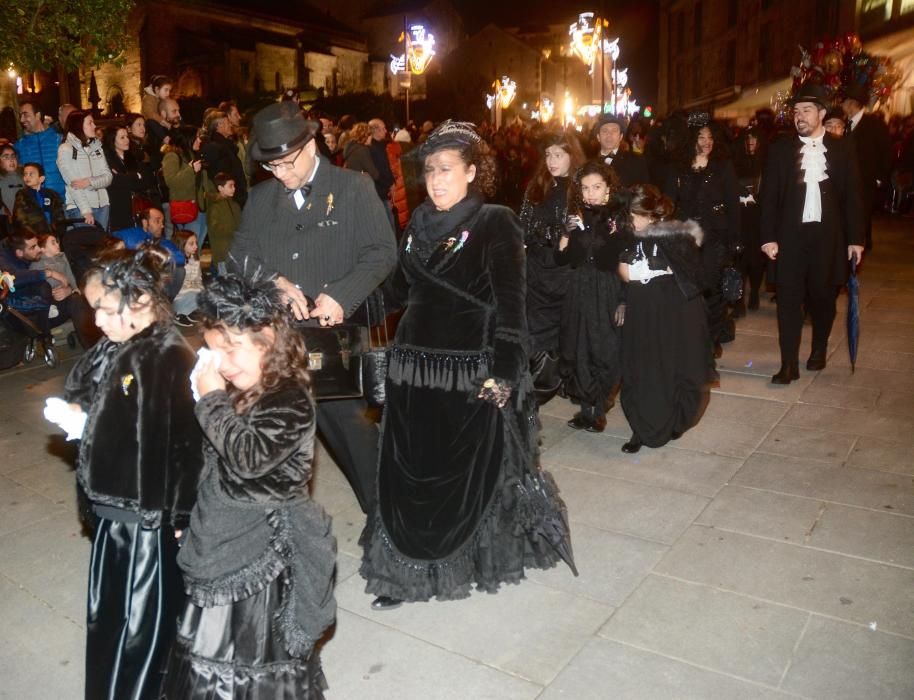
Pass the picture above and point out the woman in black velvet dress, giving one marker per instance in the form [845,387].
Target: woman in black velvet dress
[704,189]
[458,432]
[667,368]
[749,163]
[542,215]
[593,307]
[139,461]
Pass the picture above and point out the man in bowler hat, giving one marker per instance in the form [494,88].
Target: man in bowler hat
[811,226]
[325,233]
[870,135]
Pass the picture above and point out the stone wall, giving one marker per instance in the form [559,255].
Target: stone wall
[320,69]
[276,64]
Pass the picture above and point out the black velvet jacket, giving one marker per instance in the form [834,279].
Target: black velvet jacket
[599,243]
[672,244]
[141,447]
[468,295]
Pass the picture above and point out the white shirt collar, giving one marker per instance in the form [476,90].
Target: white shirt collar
[855,120]
[297,196]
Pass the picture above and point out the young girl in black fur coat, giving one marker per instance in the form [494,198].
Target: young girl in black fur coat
[139,461]
[258,559]
[667,364]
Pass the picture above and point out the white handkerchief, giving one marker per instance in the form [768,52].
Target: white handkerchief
[204,357]
[72,421]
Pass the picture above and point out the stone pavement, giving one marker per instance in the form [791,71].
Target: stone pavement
[769,553]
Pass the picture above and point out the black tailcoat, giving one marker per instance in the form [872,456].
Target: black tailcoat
[874,154]
[783,194]
[630,167]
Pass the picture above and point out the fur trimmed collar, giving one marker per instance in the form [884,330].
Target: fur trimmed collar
[670,229]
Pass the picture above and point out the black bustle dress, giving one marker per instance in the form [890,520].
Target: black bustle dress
[590,343]
[667,366]
[452,510]
[258,560]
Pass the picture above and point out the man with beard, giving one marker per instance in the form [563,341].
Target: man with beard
[39,145]
[811,225]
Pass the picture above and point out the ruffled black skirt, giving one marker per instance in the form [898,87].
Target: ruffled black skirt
[667,366]
[232,652]
[135,595]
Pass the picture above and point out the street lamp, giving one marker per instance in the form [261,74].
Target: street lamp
[505,91]
[418,51]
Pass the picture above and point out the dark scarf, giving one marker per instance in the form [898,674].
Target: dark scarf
[430,225]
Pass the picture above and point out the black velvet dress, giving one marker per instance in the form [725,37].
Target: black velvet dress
[590,343]
[710,197]
[452,510]
[547,280]
[139,462]
[258,559]
[667,366]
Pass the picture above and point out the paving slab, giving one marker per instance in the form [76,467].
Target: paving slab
[669,466]
[724,437]
[607,669]
[745,409]
[51,559]
[41,652]
[20,506]
[760,386]
[611,566]
[873,453]
[649,512]
[371,661]
[53,479]
[870,423]
[865,488]
[722,631]
[865,533]
[839,661]
[791,441]
[826,394]
[762,513]
[831,584]
[526,630]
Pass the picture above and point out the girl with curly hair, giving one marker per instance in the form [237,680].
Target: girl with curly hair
[258,559]
[139,461]
[593,307]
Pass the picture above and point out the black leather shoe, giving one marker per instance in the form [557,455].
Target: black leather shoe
[816,361]
[632,446]
[753,303]
[718,351]
[675,435]
[383,602]
[580,422]
[597,425]
[788,373]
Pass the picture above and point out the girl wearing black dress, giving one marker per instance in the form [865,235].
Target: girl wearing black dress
[704,189]
[667,367]
[749,163]
[593,306]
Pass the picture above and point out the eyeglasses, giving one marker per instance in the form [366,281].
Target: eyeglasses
[284,165]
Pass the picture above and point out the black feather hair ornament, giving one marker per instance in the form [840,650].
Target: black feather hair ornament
[249,299]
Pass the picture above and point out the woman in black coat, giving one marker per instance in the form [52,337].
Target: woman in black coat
[704,189]
[749,163]
[127,178]
[667,368]
[458,434]
[593,306]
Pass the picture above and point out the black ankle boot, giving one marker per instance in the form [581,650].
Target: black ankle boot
[789,372]
[816,361]
[632,446]
[383,602]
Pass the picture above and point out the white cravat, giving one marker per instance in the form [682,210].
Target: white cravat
[813,165]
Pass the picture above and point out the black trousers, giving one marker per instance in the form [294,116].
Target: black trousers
[805,276]
[74,307]
[350,433]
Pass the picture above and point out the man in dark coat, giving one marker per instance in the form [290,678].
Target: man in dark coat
[220,154]
[811,224]
[870,135]
[629,166]
[324,231]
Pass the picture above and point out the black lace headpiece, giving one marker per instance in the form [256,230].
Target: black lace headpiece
[133,274]
[450,134]
[247,300]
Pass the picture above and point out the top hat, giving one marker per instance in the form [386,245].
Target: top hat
[857,92]
[812,92]
[280,129]
[610,119]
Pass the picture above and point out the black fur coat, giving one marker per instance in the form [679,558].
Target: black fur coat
[677,244]
[141,447]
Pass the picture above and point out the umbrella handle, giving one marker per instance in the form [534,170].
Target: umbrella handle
[854,263]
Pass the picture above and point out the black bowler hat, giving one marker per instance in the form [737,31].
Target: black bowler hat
[812,92]
[280,129]
[857,92]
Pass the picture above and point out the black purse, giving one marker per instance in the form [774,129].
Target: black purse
[374,359]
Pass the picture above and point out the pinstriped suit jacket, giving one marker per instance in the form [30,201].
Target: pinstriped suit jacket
[339,243]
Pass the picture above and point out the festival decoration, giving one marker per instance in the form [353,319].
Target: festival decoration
[505,90]
[839,64]
[420,49]
[588,41]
